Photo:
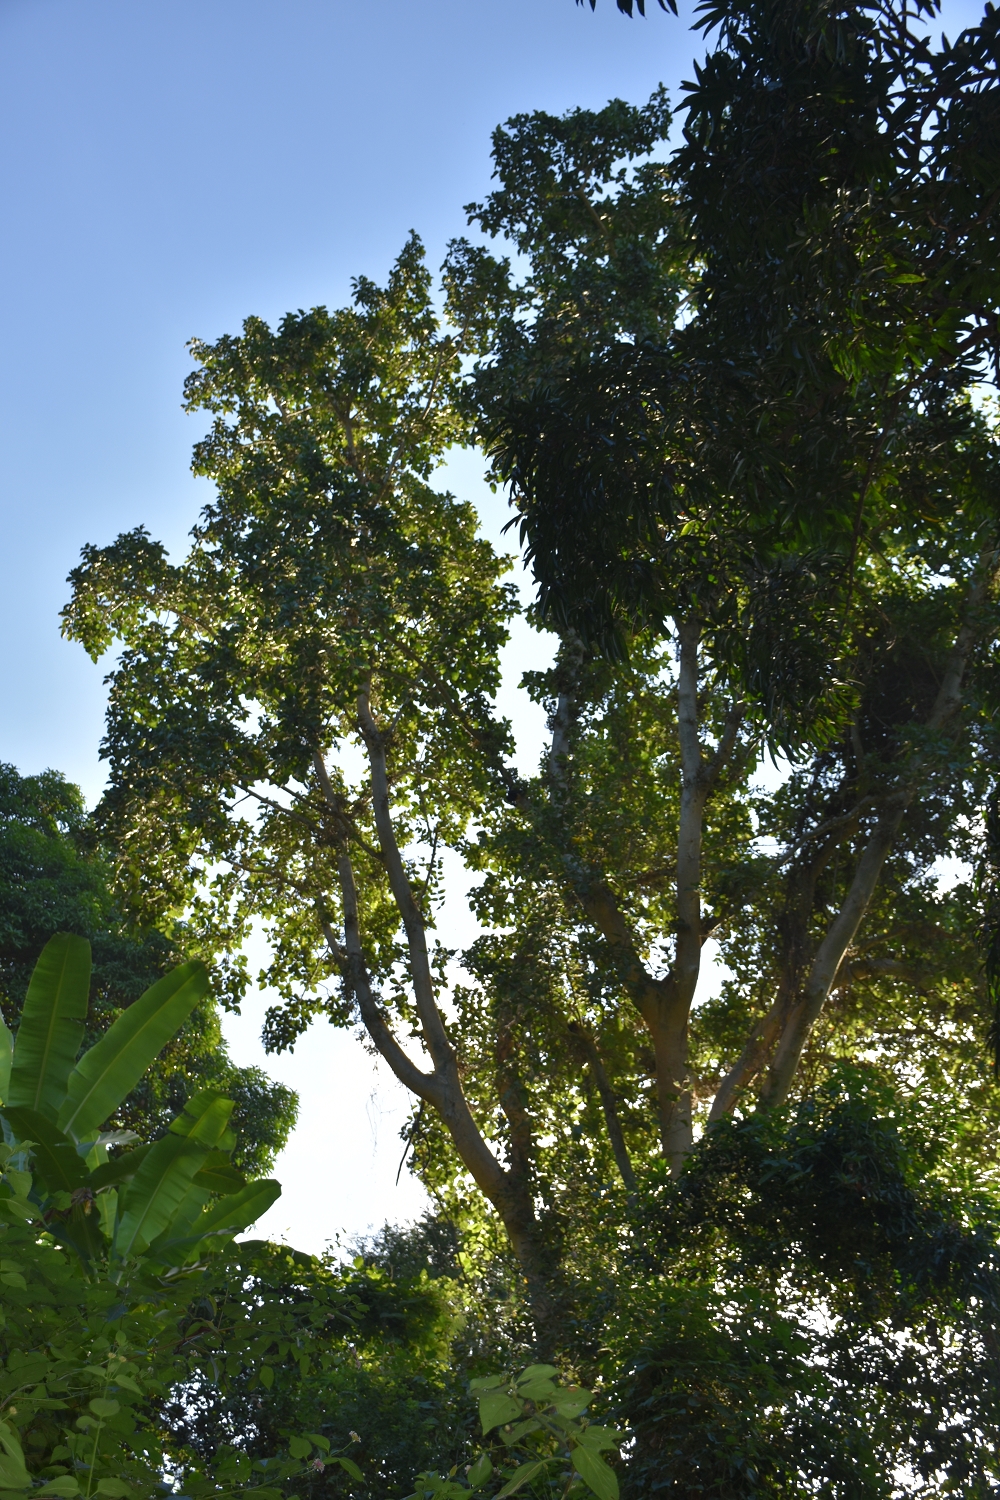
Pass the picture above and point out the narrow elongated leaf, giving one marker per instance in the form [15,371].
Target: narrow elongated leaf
[56,1159]
[224,1219]
[522,1475]
[113,1067]
[51,1026]
[595,1473]
[157,1192]
[239,1210]
[6,1058]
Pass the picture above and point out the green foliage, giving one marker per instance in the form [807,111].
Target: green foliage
[542,1442]
[54,877]
[151,1199]
[94,1357]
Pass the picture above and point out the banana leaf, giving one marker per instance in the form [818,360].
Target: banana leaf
[6,1058]
[157,1191]
[205,1118]
[122,1169]
[56,1160]
[224,1219]
[51,1026]
[111,1069]
[219,1176]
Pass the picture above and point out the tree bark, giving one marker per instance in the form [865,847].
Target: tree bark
[791,1019]
[507,1189]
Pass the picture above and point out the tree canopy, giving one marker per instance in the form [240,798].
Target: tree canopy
[738,396]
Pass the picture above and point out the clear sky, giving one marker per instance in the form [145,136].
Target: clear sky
[166,168]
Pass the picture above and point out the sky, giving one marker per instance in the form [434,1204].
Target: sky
[168,167]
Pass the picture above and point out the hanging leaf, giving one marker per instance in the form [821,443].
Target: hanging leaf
[56,1158]
[595,1473]
[51,1025]
[480,1471]
[122,1169]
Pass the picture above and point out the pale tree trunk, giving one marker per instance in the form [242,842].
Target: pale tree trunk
[778,1041]
[506,1188]
[663,1003]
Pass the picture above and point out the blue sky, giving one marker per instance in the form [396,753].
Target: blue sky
[166,168]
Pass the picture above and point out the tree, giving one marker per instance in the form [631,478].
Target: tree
[332,600]
[54,878]
[300,723]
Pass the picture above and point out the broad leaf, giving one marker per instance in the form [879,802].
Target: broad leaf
[112,1068]
[480,1471]
[219,1176]
[600,1437]
[160,1186]
[51,1025]
[122,1169]
[349,1467]
[595,1473]
[56,1158]
[239,1210]
[496,1407]
[571,1401]
[205,1119]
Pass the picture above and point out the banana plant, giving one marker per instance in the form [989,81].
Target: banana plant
[170,1200]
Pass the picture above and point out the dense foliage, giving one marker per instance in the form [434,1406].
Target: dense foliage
[738,394]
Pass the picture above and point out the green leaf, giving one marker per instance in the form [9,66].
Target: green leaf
[103,1406]
[56,1158]
[521,1475]
[205,1119]
[51,1025]
[218,1175]
[600,1437]
[542,1391]
[571,1401]
[13,1474]
[595,1473]
[65,1485]
[496,1407]
[520,1430]
[157,1192]
[6,1058]
[115,1487]
[266,1376]
[480,1471]
[240,1210]
[536,1372]
[349,1466]
[113,1066]
[122,1169]
[299,1447]
[487,1383]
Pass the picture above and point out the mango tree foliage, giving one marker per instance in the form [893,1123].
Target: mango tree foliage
[333,603]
